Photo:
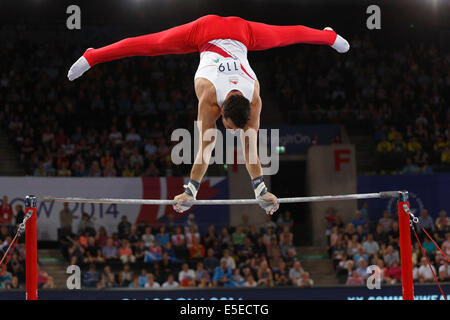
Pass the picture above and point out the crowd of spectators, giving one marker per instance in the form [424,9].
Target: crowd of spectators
[177,255]
[399,96]
[117,119]
[364,242]
[12,274]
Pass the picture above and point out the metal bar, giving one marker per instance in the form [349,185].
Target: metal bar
[386,194]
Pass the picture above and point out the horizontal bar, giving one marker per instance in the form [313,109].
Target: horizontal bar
[387,194]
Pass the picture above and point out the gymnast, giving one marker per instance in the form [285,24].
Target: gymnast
[225,84]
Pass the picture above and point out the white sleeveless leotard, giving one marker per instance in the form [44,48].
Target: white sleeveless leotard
[224,63]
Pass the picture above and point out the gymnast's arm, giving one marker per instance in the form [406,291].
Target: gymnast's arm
[249,138]
[208,113]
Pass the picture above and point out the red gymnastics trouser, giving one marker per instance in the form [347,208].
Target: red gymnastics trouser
[190,37]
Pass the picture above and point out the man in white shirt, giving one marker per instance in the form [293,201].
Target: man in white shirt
[186,273]
[170,283]
[229,259]
[151,283]
[424,273]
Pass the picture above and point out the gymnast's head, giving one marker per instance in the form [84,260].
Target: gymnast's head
[235,111]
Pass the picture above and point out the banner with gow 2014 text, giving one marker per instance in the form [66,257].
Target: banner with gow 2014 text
[109,215]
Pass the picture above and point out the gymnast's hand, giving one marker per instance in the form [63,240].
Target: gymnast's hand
[269,203]
[184,202]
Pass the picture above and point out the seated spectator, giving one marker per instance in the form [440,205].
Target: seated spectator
[190,222]
[86,225]
[446,245]
[45,281]
[223,275]
[353,245]
[281,275]
[92,277]
[442,223]
[110,251]
[170,283]
[168,249]
[391,256]
[151,283]
[245,224]
[162,237]
[265,276]
[231,263]
[224,237]
[410,167]
[386,221]
[358,220]
[76,252]
[124,228]
[370,246]
[425,221]
[190,234]
[210,237]
[444,270]
[268,237]
[285,220]
[125,252]
[134,236]
[15,284]
[186,276]
[143,278]
[101,237]
[269,224]
[93,252]
[238,236]
[148,237]
[429,247]
[108,279]
[204,283]
[360,255]
[355,279]
[197,250]
[296,272]
[305,281]
[211,262]
[6,279]
[125,276]
[286,236]
[200,272]
[384,272]
[250,283]
[424,272]
[237,278]
[362,268]
[384,146]
[361,232]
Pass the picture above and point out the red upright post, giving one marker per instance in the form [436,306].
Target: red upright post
[31,248]
[405,251]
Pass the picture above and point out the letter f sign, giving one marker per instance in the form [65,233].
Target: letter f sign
[340,157]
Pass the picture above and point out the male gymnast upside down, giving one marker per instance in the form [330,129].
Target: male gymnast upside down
[225,84]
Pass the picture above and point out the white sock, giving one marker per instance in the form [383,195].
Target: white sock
[78,68]
[340,44]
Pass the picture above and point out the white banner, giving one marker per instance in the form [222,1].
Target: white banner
[107,215]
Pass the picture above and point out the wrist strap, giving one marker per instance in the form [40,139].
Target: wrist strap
[192,188]
[259,186]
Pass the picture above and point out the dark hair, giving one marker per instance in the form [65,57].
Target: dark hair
[237,108]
